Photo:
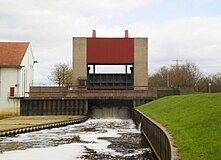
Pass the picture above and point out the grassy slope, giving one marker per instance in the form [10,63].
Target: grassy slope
[193,120]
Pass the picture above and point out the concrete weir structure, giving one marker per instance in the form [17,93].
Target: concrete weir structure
[88,53]
[92,85]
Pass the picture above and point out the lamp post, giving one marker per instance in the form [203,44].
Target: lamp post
[195,88]
[209,84]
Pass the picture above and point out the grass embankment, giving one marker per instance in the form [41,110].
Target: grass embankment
[194,122]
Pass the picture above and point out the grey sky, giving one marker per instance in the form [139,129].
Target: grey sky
[189,30]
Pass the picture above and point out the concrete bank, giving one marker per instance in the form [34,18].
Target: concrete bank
[157,136]
[22,124]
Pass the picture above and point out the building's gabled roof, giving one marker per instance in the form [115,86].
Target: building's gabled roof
[12,53]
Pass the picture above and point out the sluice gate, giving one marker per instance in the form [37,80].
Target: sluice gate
[110,109]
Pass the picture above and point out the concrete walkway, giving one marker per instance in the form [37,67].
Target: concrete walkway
[21,124]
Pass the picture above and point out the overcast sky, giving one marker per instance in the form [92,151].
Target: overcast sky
[188,30]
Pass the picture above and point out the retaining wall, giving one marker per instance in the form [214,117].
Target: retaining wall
[160,141]
[55,106]
[12,132]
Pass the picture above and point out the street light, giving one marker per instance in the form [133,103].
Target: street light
[209,84]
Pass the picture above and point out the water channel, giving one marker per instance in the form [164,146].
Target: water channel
[94,139]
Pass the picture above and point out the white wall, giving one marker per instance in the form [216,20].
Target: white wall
[8,78]
[27,72]
[20,78]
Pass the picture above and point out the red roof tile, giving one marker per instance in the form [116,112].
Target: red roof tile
[12,53]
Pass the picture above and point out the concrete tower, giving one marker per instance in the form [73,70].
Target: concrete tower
[131,52]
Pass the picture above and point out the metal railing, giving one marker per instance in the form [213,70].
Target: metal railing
[91,94]
[40,90]
[43,85]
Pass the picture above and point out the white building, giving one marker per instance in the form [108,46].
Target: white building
[16,75]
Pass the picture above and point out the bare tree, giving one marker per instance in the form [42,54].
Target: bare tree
[161,78]
[214,80]
[61,74]
[186,75]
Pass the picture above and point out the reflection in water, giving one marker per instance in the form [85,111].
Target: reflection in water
[94,139]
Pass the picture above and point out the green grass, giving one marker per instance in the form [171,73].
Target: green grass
[194,122]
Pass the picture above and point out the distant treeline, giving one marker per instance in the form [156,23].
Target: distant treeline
[186,76]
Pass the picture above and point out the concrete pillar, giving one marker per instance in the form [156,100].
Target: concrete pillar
[79,59]
[29,109]
[71,107]
[134,103]
[85,107]
[81,106]
[26,108]
[45,107]
[49,106]
[54,107]
[58,112]
[67,107]
[58,106]
[40,107]
[76,107]
[62,107]
[140,63]
[34,107]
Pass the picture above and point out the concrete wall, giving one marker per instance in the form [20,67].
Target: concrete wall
[26,72]
[157,136]
[140,63]
[187,89]
[167,91]
[79,59]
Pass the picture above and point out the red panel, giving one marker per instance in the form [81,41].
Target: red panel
[110,50]
[12,91]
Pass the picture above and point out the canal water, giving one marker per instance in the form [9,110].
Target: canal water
[93,139]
